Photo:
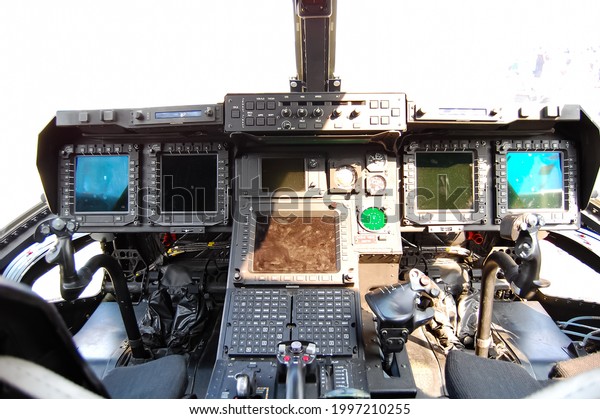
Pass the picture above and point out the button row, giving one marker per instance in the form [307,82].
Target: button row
[380,120]
[260,105]
[379,104]
[260,121]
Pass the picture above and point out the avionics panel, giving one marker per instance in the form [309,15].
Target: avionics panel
[285,175]
[187,184]
[445,182]
[293,244]
[537,175]
[307,112]
[98,183]
[169,116]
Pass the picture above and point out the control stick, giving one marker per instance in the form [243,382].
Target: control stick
[523,276]
[295,356]
[73,282]
[398,311]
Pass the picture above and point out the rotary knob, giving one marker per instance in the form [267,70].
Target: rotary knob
[354,114]
[286,112]
[336,113]
[301,112]
[286,125]
[317,112]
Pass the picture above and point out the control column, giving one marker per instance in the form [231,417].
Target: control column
[295,356]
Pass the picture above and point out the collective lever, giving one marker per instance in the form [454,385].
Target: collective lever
[73,282]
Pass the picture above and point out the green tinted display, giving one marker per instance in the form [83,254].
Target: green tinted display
[283,173]
[444,181]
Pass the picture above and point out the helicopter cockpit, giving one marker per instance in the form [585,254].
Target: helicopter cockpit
[314,243]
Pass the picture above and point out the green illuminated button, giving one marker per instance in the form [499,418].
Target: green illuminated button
[373,219]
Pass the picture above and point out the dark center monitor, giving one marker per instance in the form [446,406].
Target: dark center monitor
[444,181]
[286,173]
[101,184]
[189,183]
[535,180]
[295,244]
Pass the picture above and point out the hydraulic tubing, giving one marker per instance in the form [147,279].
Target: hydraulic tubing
[123,298]
[494,262]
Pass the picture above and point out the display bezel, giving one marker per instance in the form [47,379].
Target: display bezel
[568,214]
[69,156]
[459,216]
[158,214]
[243,255]
[249,170]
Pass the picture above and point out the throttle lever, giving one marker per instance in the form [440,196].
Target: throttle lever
[397,306]
[399,312]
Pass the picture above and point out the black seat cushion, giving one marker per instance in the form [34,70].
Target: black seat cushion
[32,329]
[472,377]
[164,378]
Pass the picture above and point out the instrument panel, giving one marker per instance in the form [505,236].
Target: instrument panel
[442,182]
[189,171]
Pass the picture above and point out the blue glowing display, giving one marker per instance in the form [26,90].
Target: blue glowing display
[535,180]
[101,184]
[178,114]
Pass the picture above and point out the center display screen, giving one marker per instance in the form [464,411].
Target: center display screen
[189,183]
[444,181]
[535,180]
[283,173]
[101,184]
[295,244]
